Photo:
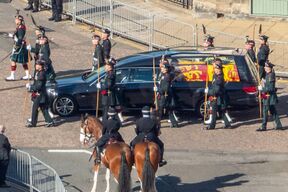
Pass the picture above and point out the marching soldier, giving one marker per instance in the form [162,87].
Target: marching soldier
[42,52]
[262,55]
[208,42]
[110,130]
[216,93]
[164,95]
[249,46]
[269,98]
[19,52]
[98,55]
[106,44]
[148,128]
[107,90]
[39,96]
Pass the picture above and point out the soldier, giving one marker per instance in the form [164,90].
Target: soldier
[216,93]
[39,96]
[164,95]
[5,149]
[110,130]
[262,55]
[249,46]
[42,51]
[19,52]
[98,55]
[30,6]
[148,128]
[208,42]
[107,90]
[269,98]
[57,9]
[106,44]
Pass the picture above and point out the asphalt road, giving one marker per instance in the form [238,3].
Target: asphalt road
[238,159]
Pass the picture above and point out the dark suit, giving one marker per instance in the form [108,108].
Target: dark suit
[262,57]
[5,149]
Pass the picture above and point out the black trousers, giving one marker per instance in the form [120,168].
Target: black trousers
[274,114]
[214,108]
[3,167]
[170,114]
[35,2]
[44,108]
[57,7]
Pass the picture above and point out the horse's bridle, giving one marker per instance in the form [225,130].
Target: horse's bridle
[87,136]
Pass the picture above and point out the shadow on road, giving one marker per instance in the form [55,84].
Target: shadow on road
[212,185]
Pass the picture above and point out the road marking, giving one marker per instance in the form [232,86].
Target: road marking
[69,151]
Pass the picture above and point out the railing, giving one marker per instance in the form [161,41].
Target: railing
[185,3]
[29,171]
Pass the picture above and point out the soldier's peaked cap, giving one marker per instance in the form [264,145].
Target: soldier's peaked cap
[111,111]
[145,110]
[112,61]
[269,64]
[209,37]
[40,62]
[96,37]
[107,31]
[218,66]
[20,17]
[264,37]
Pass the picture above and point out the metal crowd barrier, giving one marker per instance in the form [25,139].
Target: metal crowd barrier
[30,172]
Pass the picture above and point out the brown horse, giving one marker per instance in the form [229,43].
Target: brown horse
[117,156]
[147,157]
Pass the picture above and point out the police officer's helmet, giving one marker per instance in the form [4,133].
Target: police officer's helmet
[111,111]
[145,110]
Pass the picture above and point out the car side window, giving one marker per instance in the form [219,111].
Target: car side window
[141,75]
[122,75]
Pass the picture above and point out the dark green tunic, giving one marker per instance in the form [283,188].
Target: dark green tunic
[19,52]
[98,57]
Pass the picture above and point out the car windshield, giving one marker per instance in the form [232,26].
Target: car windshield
[94,74]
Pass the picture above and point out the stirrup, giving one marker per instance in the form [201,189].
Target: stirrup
[162,163]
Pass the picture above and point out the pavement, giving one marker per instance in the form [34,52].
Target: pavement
[238,159]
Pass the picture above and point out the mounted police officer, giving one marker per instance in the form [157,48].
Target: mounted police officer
[98,55]
[19,52]
[39,96]
[216,96]
[262,55]
[110,130]
[106,43]
[42,50]
[107,90]
[208,42]
[249,46]
[165,98]
[147,128]
[269,98]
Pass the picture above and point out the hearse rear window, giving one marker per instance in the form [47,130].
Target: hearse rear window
[195,68]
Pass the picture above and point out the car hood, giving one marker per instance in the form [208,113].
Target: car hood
[69,81]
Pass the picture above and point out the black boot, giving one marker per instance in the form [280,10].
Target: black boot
[52,18]
[98,156]
[261,129]
[29,7]
[35,10]
[58,18]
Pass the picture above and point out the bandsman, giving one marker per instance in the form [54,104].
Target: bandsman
[39,96]
[216,97]
[19,51]
[269,98]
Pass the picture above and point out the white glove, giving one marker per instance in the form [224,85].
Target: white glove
[28,86]
[206,90]
[15,38]
[10,35]
[98,85]
[28,47]
[260,88]
[37,41]
[155,89]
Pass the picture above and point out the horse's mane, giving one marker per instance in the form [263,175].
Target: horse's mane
[95,122]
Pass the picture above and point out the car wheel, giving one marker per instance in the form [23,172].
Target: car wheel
[200,108]
[64,106]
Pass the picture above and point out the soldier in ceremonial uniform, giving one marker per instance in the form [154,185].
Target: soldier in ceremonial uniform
[98,55]
[249,46]
[208,42]
[216,96]
[19,52]
[165,94]
[42,52]
[39,96]
[110,130]
[269,98]
[262,55]
[148,128]
[107,90]
[106,44]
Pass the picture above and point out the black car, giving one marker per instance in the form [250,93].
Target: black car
[134,81]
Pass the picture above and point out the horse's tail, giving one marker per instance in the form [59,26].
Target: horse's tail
[124,181]
[148,174]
